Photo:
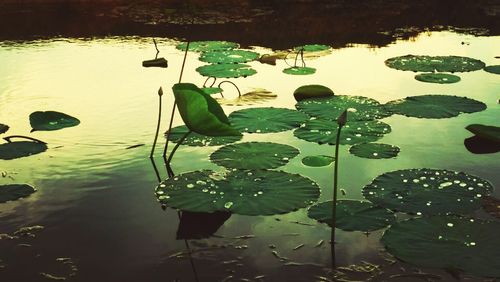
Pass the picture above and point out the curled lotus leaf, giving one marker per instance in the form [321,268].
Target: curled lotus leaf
[12,192]
[318,160]
[353,215]
[427,191]
[266,120]
[434,106]
[358,107]
[469,245]
[441,78]
[19,149]
[325,131]
[254,155]
[493,69]
[226,70]
[299,70]
[374,150]
[3,128]
[434,63]
[246,192]
[250,98]
[195,139]
[228,56]
[51,120]
[207,46]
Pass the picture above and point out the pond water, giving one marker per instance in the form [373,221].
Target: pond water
[96,198]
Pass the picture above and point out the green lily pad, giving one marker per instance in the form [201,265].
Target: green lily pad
[299,70]
[434,63]
[19,149]
[353,215]
[312,48]
[259,192]
[3,128]
[442,78]
[493,69]
[254,155]
[434,106]
[250,98]
[200,112]
[374,150]
[488,132]
[207,46]
[266,120]
[212,90]
[325,131]
[228,56]
[318,161]
[195,139]
[12,192]
[470,245]
[427,191]
[358,107]
[51,120]
[226,70]
[312,91]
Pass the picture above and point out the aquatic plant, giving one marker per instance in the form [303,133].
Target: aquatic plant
[51,120]
[12,192]
[18,149]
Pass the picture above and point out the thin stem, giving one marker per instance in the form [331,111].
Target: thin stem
[335,188]
[25,137]
[156,47]
[215,79]
[227,81]
[157,173]
[286,56]
[177,146]
[160,93]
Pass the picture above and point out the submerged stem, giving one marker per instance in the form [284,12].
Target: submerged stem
[335,188]
[160,93]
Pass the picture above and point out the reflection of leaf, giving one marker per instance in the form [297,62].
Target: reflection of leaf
[51,120]
[434,63]
[11,192]
[374,150]
[312,91]
[190,227]
[206,46]
[200,112]
[478,145]
[489,132]
[250,98]
[228,56]
[299,70]
[195,139]
[266,120]
[226,70]
[3,128]
[318,161]
[442,78]
[19,149]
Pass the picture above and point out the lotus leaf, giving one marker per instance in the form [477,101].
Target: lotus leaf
[250,98]
[200,112]
[195,139]
[312,91]
[374,150]
[442,78]
[19,149]
[246,192]
[325,131]
[12,192]
[312,48]
[254,155]
[3,128]
[447,242]
[226,70]
[51,120]
[491,205]
[493,69]
[212,90]
[478,145]
[265,120]
[488,132]
[299,70]
[207,46]
[427,191]
[434,63]
[318,161]
[228,56]
[353,215]
[434,106]
[358,107]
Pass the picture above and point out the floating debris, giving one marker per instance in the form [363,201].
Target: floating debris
[298,247]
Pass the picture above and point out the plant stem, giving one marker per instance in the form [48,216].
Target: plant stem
[25,137]
[157,124]
[335,188]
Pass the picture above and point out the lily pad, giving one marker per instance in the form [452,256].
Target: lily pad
[250,98]
[434,63]
[427,191]
[12,192]
[3,128]
[212,90]
[195,139]
[19,149]
[228,56]
[226,70]
[325,131]
[493,69]
[312,48]
[312,91]
[200,112]
[299,70]
[434,106]
[353,215]
[478,145]
[374,150]
[488,132]
[470,245]
[442,78]
[318,161]
[266,120]
[259,192]
[207,46]
[254,155]
[358,107]
[51,120]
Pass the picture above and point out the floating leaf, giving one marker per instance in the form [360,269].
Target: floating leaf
[434,106]
[265,120]
[155,63]
[374,150]
[212,90]
[226,70]
[434,63]
[207,46]
[427,191]
[318,161]
[325,131]
[51,120]
[250,98]
[200,112]
[312,91]
[12,192]
[488,132]
[299,70]
[353,215]
[442,78]
[358,107]
[19,149]
[260,192]
[478,145]
[228,56]
[195,139]
[312,48]
[493,69]
[3,128]
[447,242]
[254,155]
